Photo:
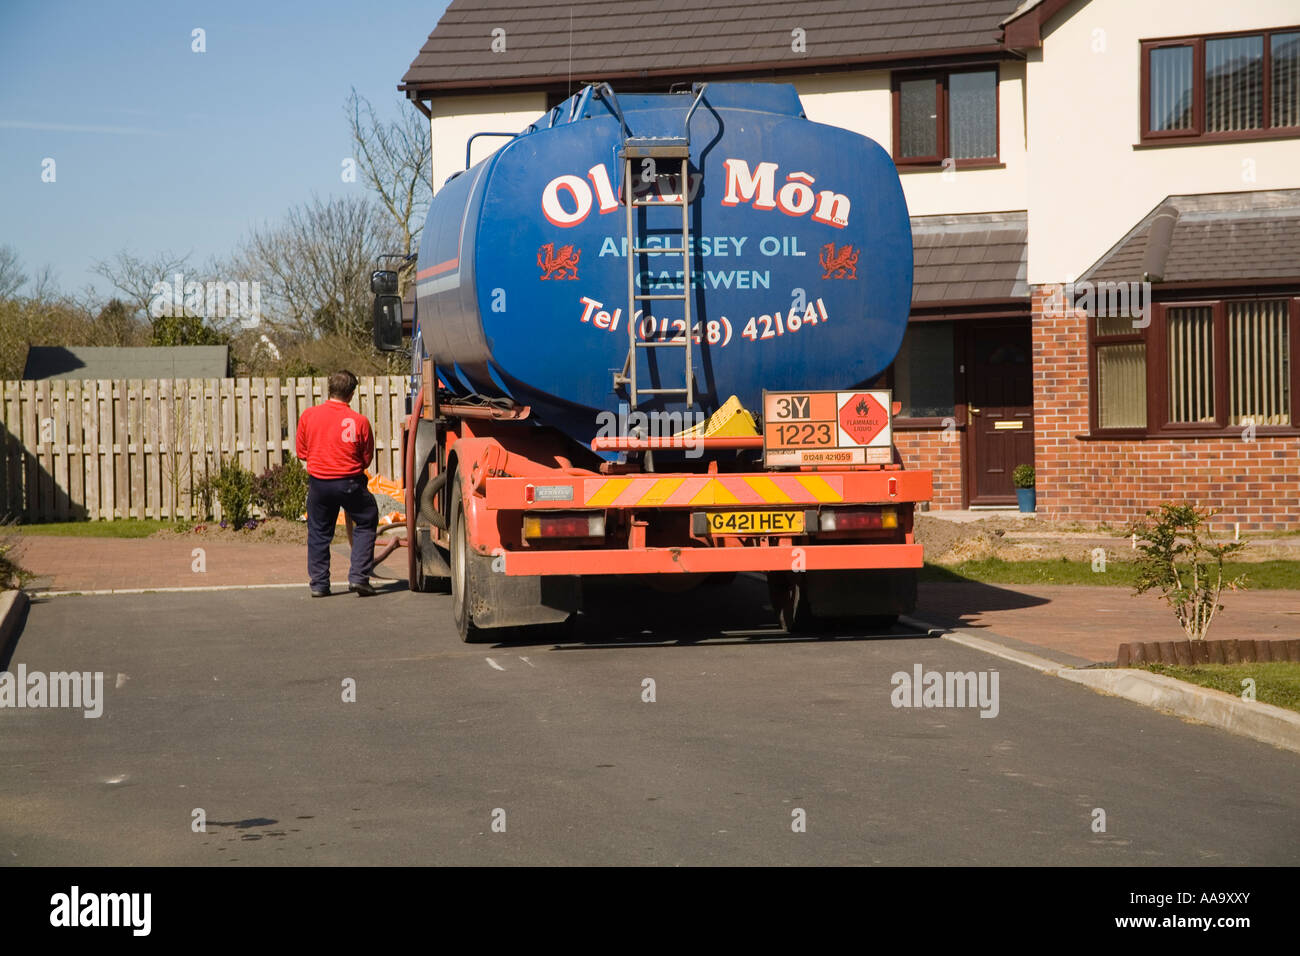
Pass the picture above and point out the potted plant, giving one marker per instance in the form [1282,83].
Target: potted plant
[1023,478]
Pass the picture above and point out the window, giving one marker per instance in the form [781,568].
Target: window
[1200,367]
[1121,364]
[946,116]
[924,383]
[1121,386]
[1190,333]
[1259,363]
[1236,86]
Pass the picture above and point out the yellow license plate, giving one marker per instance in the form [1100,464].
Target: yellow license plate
[756,522]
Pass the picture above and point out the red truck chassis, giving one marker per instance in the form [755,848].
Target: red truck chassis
[521,505]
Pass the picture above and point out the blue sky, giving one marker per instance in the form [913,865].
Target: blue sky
[158,147]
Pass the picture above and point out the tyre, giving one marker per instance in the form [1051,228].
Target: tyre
[790,602]
[462,582]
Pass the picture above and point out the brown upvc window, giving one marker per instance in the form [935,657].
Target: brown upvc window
[1119,364]
[923,375]
[1228,86]
[1206,367]
[948,118]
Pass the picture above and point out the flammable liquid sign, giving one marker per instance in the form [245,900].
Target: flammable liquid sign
[827,428]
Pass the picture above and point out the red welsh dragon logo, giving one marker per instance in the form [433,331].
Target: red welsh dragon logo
[839,264]
[555,266]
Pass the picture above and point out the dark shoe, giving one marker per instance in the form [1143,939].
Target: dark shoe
[325,593]
[365,589]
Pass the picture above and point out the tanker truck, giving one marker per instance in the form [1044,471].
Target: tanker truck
[646,333]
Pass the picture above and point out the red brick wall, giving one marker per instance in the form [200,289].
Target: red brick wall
[1256,483]
[922,450]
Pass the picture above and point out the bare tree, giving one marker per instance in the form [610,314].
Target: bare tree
[12,277]
[135,276]
[314,266]
[45,285]
[395,161]
[115,324]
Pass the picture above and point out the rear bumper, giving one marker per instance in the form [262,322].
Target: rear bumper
[812,557]
[694,491]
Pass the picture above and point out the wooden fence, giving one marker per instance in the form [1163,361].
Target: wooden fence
[132,448]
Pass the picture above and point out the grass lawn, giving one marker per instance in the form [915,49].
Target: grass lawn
[1261,576]
[125,528]
[1276,682]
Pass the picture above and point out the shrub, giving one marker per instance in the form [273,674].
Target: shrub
[232,486]
[281,490]
[12,574]
[1180,558]
[1022,476]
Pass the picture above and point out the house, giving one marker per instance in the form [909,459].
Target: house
[1117,306]
[119,362]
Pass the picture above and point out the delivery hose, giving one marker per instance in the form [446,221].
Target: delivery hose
[392,545]
[426,507]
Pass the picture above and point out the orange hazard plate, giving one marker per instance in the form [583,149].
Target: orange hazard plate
[818,429]
[755,522]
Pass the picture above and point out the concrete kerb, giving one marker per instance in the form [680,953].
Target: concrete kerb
[1259,721]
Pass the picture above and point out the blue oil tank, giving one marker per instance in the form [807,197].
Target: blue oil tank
[800,256]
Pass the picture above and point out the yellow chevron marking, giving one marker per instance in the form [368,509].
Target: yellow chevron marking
[722,494]
[767,488]
[610,490]
[715,493]
[660,492]
[819,489]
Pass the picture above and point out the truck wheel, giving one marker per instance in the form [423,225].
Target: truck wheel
[790,602]
[462,597]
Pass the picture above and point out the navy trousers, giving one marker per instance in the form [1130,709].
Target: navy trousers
[325,496]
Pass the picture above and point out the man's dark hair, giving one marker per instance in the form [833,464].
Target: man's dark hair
[342,384]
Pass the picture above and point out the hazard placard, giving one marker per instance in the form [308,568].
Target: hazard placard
[827,428]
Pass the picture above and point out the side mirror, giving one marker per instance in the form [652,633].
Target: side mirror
[388,320]
[383,282]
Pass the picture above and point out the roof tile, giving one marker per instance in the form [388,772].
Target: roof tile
[457,52]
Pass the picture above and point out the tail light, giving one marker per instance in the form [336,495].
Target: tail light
[565,524]
[857,519]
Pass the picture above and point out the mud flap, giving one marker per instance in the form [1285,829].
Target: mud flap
[498,600]
[880,593]
[434,564]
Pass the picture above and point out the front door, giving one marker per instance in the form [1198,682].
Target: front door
[1000,408]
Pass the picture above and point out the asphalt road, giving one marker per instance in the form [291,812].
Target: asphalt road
[232,703]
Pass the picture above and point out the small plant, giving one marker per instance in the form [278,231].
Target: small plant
[233,486]
[1023,476]
[12,574]
[203,493]
[281,490]
[1180,558]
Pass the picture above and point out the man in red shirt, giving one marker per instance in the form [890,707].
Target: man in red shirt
[336,443]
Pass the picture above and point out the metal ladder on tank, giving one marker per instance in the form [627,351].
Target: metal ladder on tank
[635,150]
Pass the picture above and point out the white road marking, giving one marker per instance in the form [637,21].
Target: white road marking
[339,587]
[528,662]
[493,664]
